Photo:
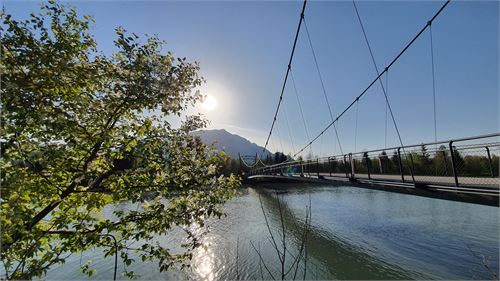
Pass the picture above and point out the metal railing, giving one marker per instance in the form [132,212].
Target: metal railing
[467,162]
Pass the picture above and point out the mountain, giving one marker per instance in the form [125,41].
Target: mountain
[230,143]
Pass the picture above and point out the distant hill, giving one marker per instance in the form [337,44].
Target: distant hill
[230,143]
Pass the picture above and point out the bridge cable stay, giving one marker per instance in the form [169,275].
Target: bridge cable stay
[243,161]
[288,156]
[383,89]
[257,161]
[433,83]
[433,92]
[356,127]
[387,93]
[407,46]
[322,84]
[273,143]
[289,130]
[262,163]
[300,106]
[286,76]
[281,144]
[320,150]
[279,138]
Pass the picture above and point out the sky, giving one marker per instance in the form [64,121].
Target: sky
[243,48]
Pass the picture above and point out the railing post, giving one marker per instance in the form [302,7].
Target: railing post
[330,166]
[453,163]
[400,162]
[368,167]
[489,162]
[345,167]
[353,171]
[381,169]
[317,167]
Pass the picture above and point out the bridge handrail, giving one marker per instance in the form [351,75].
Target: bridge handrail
[389,149]
[307,162]
[432,143]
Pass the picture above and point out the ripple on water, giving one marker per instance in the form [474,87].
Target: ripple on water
[356,234]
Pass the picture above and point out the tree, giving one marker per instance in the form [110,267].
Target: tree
[268,160]
[279,157]
[395,160]
[459,161]
[82,130]
[423,161]
[441,161]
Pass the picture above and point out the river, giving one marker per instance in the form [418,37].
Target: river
[355,233]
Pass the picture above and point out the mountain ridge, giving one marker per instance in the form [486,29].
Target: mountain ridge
[230,143]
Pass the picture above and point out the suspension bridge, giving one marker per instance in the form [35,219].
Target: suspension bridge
[464,169]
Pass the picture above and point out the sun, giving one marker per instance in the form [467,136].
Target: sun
[210,103]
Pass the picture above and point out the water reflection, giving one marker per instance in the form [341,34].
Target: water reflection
[204,263]
[356,234]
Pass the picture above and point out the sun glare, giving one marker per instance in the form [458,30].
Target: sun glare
[210,103]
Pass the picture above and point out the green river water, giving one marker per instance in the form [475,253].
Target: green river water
[355,234]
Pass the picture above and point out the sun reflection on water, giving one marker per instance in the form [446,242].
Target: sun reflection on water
[204,262]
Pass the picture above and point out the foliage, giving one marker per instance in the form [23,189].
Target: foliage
[78,134]
[279,157]
[231,166]
[276,158]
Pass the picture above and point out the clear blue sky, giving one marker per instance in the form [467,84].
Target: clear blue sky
[243,49]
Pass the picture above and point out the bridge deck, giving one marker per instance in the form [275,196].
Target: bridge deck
[477,182]
[477,190]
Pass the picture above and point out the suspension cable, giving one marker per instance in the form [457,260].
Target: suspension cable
[289,130]
[322,84]
[433,83]
[378,77]
[279,138]
[433,92]
[286,75]
[273,143]
[356,127]
[387,93]
[382,85]
[248,165]
[300,106]
[320,151]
